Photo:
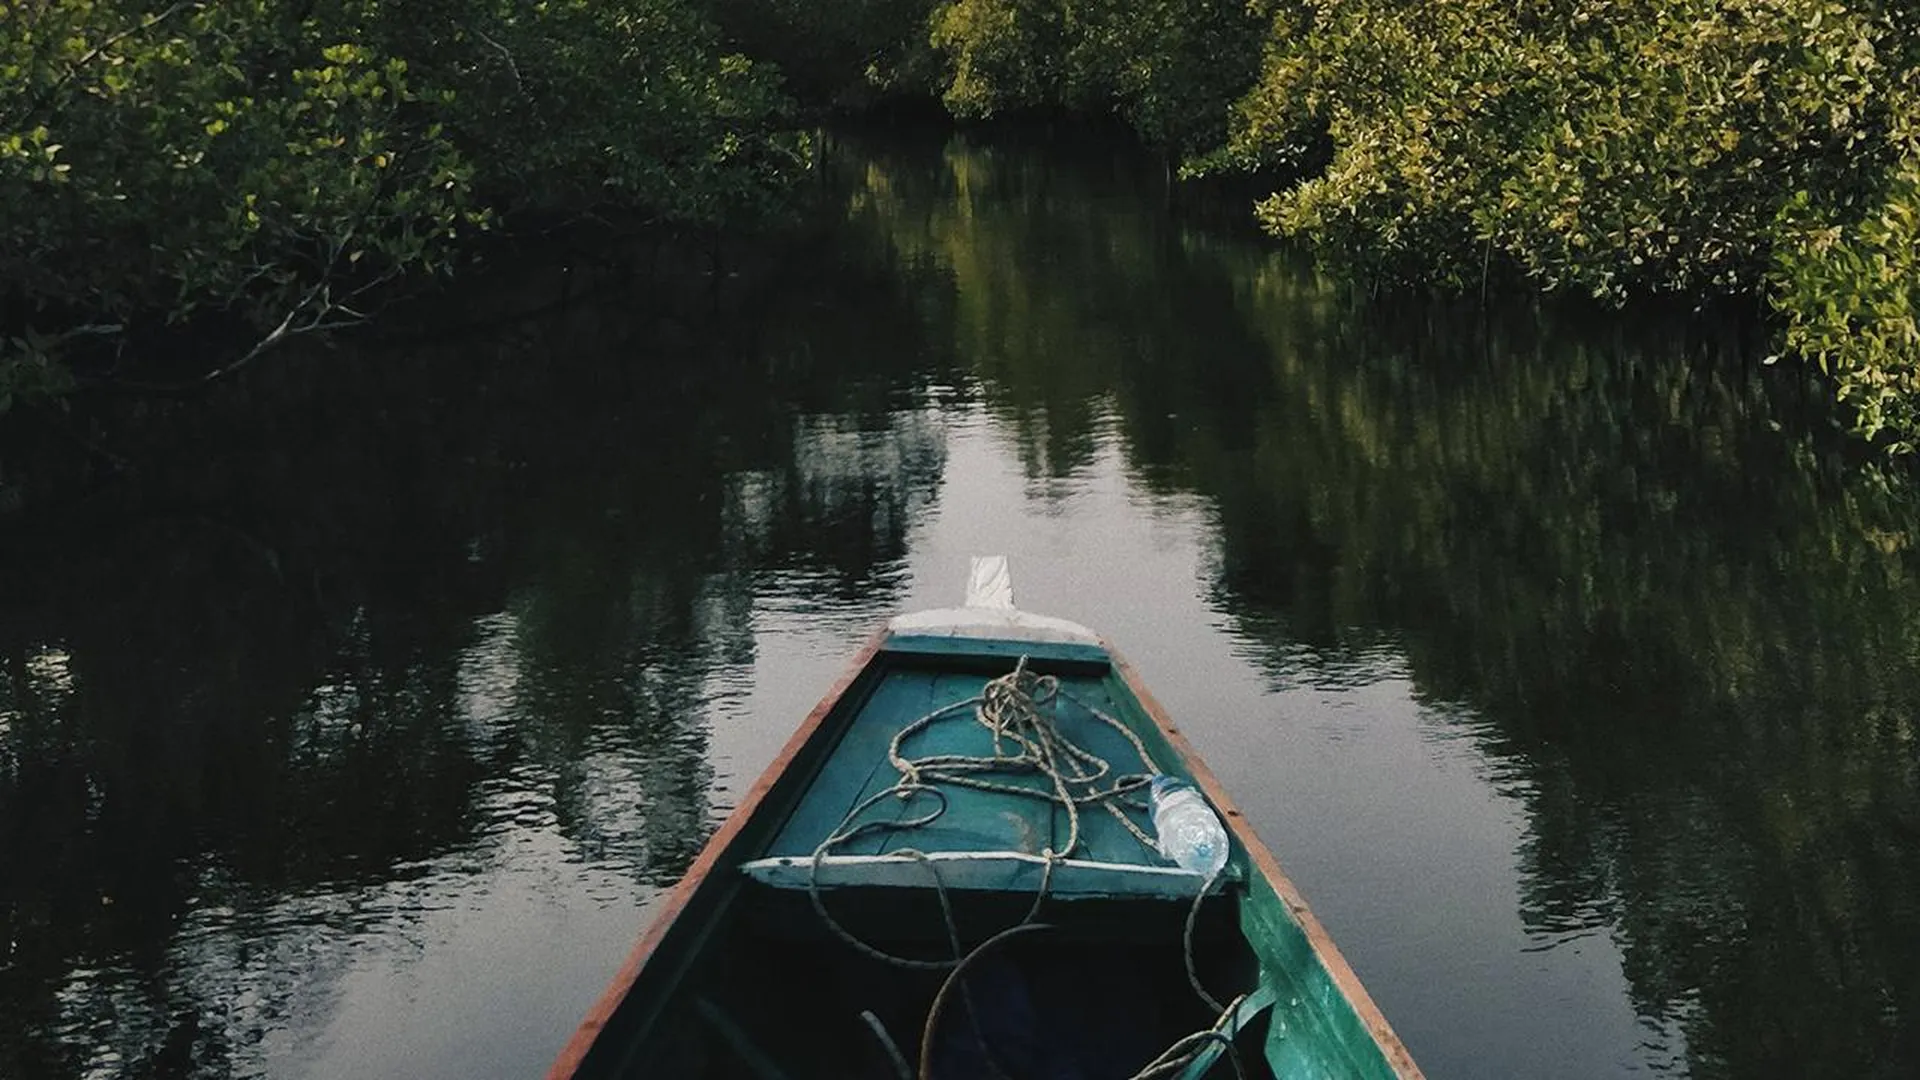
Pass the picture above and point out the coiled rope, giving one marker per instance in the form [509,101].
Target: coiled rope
[1016,709]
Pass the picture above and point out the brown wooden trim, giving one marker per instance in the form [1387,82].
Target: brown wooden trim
[1321,942]
[568,1063]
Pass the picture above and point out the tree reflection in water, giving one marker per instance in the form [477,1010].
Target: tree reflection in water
[1633,563]
[452,619]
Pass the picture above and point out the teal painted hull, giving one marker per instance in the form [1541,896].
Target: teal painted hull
[767,961]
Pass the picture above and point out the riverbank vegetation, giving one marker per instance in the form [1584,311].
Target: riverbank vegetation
[1619,148]
[275,164]
[274,167]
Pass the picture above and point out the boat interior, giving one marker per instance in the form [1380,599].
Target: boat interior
[1096,989]
[786,962]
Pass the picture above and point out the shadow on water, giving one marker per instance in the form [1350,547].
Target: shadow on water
[1636,568]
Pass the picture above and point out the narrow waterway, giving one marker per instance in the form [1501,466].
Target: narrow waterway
[1561,662]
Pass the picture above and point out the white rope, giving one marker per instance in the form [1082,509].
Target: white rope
[1016,709]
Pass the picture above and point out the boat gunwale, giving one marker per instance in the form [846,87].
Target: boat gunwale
[582,1041]
[1395,1052]
[573,1055]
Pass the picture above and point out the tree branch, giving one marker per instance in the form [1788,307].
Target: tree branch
[307,315]
[274,337]
[518,83]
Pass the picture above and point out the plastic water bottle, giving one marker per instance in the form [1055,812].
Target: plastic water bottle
[1186,828]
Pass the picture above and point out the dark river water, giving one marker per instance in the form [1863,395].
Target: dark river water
[1557,656]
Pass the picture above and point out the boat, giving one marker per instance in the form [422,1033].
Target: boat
[950,871]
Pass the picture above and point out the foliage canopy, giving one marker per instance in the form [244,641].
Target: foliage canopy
[275,160]
[1618,148]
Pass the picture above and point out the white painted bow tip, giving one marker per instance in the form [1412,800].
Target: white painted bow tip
[990,583]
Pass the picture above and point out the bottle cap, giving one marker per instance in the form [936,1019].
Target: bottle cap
[1164,784]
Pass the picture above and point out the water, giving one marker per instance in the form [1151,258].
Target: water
[1567,669]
